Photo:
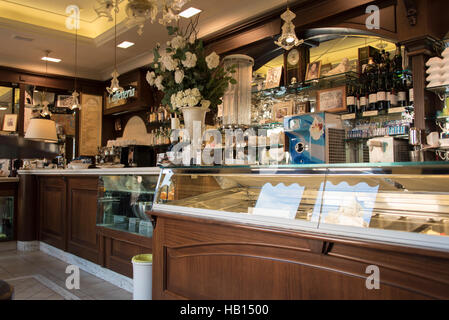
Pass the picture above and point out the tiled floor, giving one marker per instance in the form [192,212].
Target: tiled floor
[38,276]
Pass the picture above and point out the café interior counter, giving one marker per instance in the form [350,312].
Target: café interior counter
[363,231]
[94,214]
[92,171]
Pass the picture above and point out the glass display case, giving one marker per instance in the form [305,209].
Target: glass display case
[399,203]
[6,218]
[123,201]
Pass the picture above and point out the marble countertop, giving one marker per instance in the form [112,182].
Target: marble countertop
[95,171]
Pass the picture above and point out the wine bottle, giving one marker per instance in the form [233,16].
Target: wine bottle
[364,93]
[397,60]
[392,94]
[381,93]
[351,100]
[411,93]
[372,98]
[402,94]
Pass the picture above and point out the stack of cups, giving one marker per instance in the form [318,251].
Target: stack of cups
[438,70]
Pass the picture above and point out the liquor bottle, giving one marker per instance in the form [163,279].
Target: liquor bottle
[372,98]
[381,93]
[402,94]
[351,99]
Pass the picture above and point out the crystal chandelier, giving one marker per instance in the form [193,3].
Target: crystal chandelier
[140,11]
[115,86]
[288,38]
[104,8]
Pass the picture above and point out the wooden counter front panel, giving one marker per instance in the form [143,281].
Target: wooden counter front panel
[52,202]
[195,260]
[82,239]
[117,249]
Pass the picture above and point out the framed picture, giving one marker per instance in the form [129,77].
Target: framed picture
[281,110]
[313,70]
[301,108]
[325,68]
[331,100]
[64,101]
[273,77]
[10,122]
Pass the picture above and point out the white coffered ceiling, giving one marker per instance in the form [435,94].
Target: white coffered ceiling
[43,24]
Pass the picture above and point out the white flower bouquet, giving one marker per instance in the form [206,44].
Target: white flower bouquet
[186,76]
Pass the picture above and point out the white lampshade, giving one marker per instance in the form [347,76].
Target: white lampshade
[42,130]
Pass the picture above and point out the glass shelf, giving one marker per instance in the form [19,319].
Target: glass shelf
[308,84]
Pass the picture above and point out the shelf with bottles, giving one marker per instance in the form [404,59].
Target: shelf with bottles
[158,117]
[160,137]
[396,125]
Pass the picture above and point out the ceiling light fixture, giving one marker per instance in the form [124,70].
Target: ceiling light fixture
[139,11]
[75,94]
[288,38]
[51,59]
[115,86]
[190,12]
[104,8]
[125,44]
[45,112]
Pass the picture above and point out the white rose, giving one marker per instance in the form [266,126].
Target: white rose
[190,60]
[168,62]
[158,83]
[196,92]
[192,38]
[179,76]
[205,103]
[212,60]
[151,76]
[178,42]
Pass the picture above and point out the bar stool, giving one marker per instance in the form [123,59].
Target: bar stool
[6,291]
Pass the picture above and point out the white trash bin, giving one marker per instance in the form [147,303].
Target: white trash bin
[142,276]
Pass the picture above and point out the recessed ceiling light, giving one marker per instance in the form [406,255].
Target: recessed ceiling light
[189,12]
[125,44]
[51,59]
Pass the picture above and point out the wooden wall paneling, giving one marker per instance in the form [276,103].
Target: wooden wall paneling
[203,259]
[82,238]
[52,203]
[20,124]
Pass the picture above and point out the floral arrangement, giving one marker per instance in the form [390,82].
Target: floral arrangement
[186,76]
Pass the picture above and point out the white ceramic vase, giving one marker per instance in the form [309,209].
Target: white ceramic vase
[192,114]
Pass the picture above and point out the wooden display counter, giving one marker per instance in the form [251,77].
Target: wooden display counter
[201,258]
[59,207]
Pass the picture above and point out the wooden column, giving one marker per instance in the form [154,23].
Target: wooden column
[27,211]
[21,124]
[419,51]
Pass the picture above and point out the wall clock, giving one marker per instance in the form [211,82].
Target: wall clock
[293,57]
